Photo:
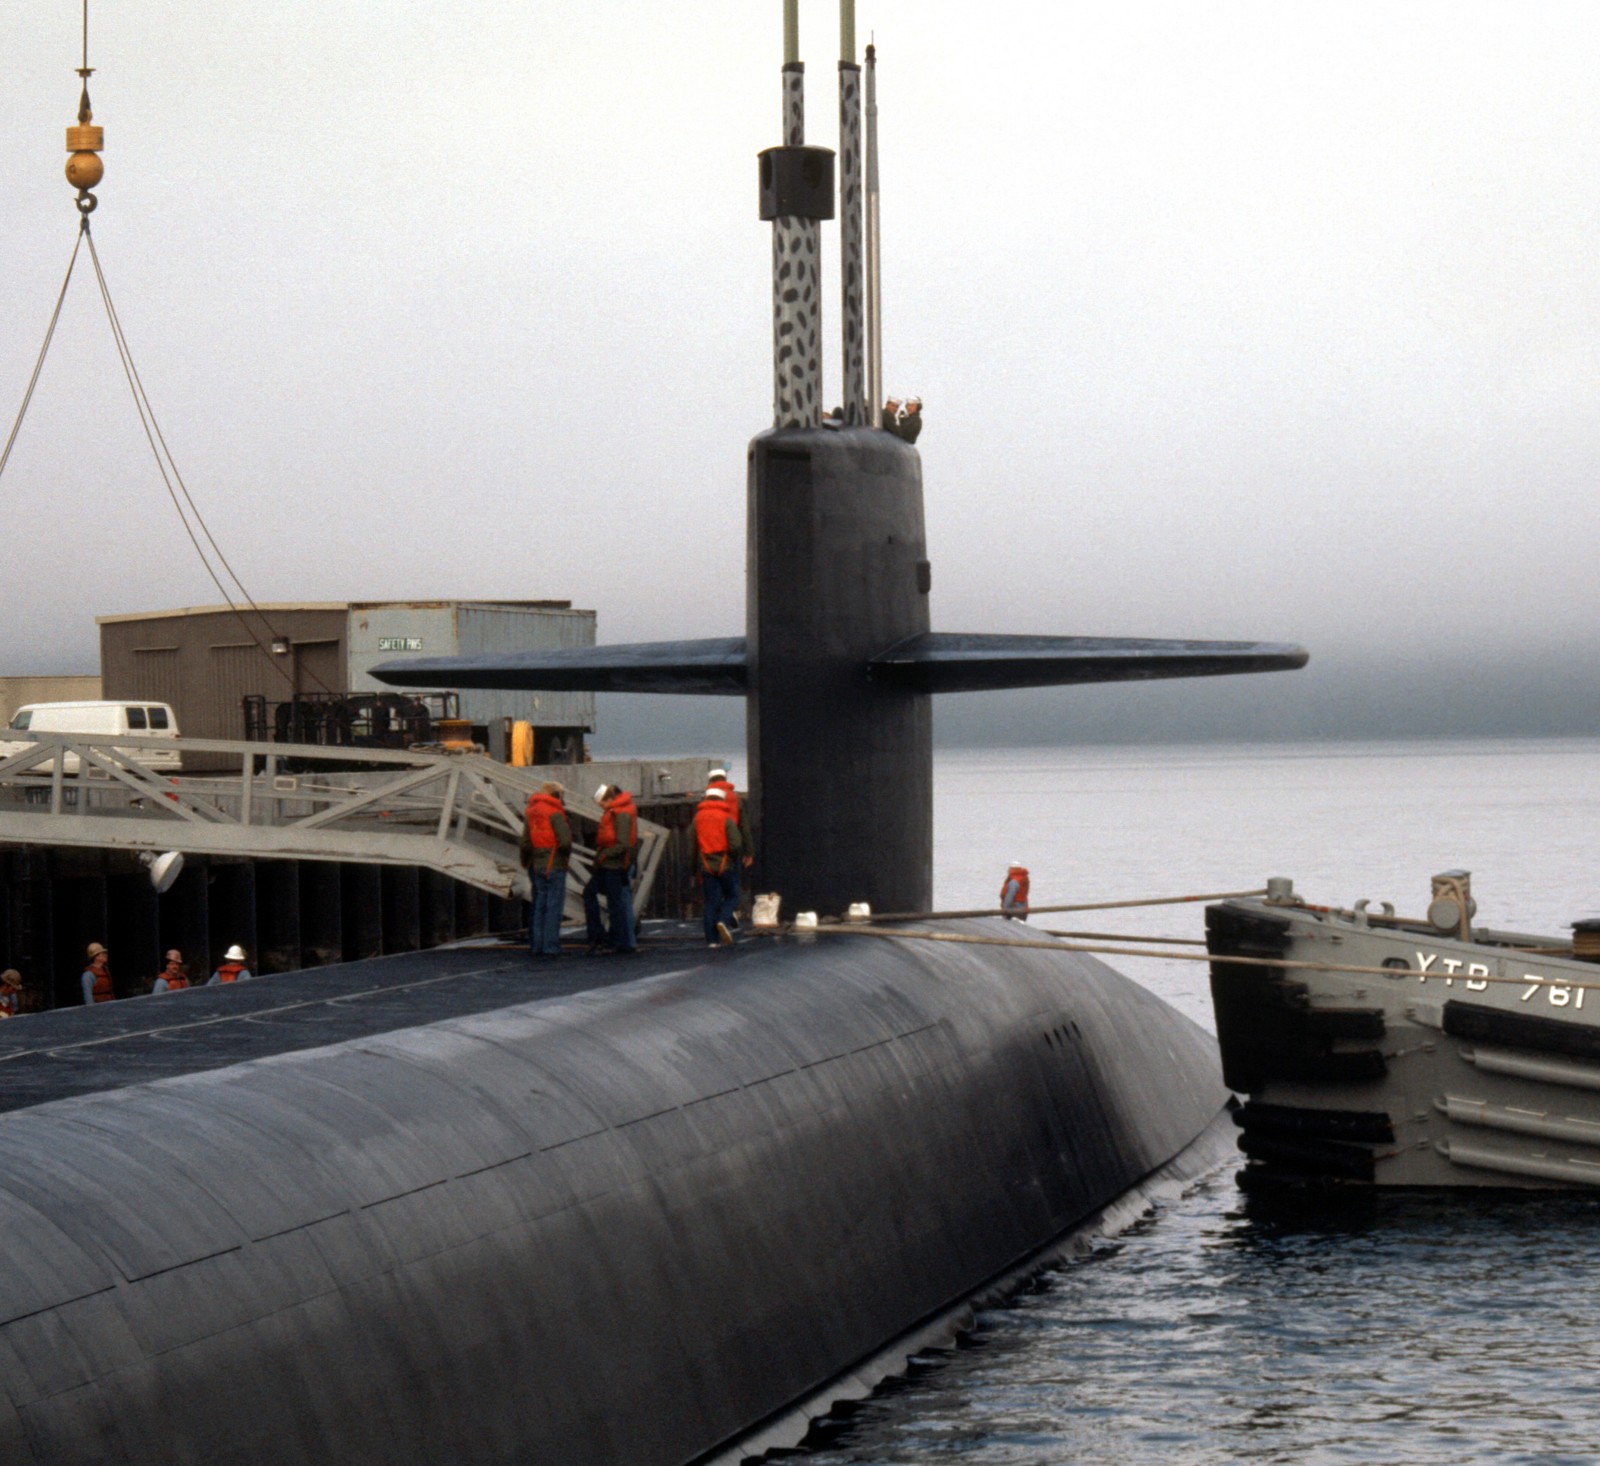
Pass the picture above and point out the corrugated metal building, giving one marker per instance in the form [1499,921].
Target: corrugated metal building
[205,660]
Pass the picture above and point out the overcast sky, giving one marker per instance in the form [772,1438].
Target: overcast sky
[1243,320]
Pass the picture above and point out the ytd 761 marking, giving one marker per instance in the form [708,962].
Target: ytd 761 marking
[1476,977]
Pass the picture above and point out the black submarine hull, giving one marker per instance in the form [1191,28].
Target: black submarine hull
[636,1224]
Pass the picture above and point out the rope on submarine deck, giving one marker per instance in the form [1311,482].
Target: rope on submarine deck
[864,929]
[891,916]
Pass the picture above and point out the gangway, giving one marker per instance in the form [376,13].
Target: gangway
[456,813]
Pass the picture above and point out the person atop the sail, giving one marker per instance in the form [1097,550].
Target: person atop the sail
[906,422]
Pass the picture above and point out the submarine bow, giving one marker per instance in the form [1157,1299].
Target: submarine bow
[625,1227]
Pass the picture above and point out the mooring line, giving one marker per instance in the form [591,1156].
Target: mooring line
[1286,964]
[881,919]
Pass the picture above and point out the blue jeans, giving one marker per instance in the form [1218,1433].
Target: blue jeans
[544,918]
[614,885]
[722,897]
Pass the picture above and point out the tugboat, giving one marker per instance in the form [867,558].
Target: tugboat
[1380,1050]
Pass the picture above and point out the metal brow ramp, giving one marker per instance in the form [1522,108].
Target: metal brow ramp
[459,814]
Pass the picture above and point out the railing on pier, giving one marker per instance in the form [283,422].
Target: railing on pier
[459,814]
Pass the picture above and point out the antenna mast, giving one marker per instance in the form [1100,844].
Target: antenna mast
[796,196]
[874,290]
[850,243]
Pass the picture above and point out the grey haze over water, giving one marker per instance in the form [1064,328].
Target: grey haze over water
[1440,695]
[1233,320]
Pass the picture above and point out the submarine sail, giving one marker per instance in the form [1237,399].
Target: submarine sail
[838,660]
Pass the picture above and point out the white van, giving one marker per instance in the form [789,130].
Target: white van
[100,720]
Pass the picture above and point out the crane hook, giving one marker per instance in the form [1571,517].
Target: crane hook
[84,168]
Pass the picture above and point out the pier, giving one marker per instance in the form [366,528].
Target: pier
[303,854]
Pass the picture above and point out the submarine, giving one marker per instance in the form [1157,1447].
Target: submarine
[446,1206]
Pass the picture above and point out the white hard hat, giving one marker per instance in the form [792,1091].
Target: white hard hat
[717,774]
[601,792]
[235,953]
[715,794]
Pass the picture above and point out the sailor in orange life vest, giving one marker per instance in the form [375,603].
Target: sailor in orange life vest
[173,979]
[232,968]
[96,977]
[546,846]
[718,846]
[718,779]
[1014,892]
[10,993]
[616,846]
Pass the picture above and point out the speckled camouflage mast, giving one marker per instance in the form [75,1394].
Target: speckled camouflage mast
[796,270]
[794,104]
[851,251]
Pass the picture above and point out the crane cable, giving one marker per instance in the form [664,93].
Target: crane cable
[165,461]
[88,140]
[38,366]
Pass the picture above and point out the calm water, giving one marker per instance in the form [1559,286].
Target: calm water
[1442,1329]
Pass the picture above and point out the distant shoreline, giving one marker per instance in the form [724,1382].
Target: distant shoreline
[721,748]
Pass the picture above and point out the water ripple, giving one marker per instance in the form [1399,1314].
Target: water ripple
[1416,1329]
[1427,1329]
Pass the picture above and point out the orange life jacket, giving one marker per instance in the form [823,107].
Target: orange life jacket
[711,834]
[1019,874]
[229,971]
[103,991]
[730,797]
[541,834]
[174,983]
[606,836]
[9,1003]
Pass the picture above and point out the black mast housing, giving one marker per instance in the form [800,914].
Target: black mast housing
[841,767]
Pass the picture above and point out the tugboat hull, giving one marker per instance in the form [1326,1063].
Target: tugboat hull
[1383,1052]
